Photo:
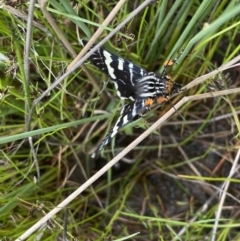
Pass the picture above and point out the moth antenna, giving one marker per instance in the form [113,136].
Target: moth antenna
[171,62]
[176,109]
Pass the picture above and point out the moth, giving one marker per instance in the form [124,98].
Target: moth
[132,82]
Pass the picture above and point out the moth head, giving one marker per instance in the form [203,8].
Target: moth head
[172,87]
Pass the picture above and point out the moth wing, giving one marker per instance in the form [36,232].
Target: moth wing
[123,73]
[128,112]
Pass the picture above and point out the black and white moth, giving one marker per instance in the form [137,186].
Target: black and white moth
[132,82]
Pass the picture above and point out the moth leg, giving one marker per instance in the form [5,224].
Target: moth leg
[128,112]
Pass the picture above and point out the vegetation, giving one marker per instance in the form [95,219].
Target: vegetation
[180,183]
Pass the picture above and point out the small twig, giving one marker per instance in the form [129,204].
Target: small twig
[201,79]
[194,122]
[68,46]
[192,167]
[27,50]
[97,34]
[198,214]
[27,81]
[35,160]
[223,194]
[47,15]
[24,17]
